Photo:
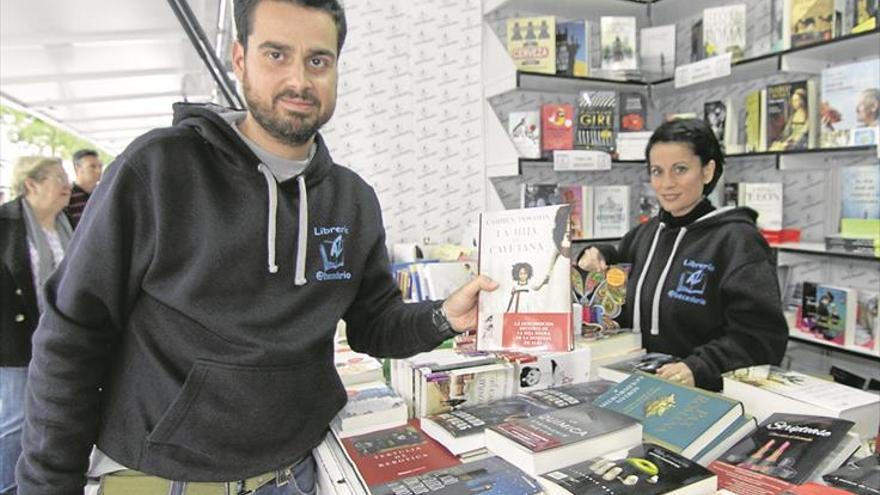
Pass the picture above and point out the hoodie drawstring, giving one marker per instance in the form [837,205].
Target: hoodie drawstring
[302,234]
[655,306]
[637,313]
[272,187]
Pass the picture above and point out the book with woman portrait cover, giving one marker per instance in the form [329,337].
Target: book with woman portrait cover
[528,252]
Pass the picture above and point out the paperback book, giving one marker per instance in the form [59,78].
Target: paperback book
[528,252]
[371,406]
[849,91]
[861,477]
[633,113]
[645,470]
[812,21]
[835,313]
[657,50]
[538,195]
[724,30]
[525,132]
[786,447]
[611,210]
[387,455]
[646,363]
[681,418]
[595,123]
[572,48]
[531,43]
[790,115]
[618,43]
[715,114]
[557,126]
[603,297]
[562,437]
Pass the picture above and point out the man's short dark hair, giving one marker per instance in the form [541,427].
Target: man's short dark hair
[697,134]
[244,12]
[80,154]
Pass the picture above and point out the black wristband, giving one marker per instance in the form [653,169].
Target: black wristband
[441,323]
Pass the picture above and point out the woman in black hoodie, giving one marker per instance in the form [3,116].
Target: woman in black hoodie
[703,283]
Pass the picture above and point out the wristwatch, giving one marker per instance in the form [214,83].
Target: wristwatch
[441,323]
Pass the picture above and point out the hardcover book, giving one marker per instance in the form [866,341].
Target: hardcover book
[785,447]
[618,43]
[490,476]
[657,50]
[633,113]
[867,322]
[766,199]
[789,116]
[680,418]
[525,132]
[387,455]
[645,470]
[611,210]
[595,123]
[812,21]
[562,437]
[724,30]
[528,252]
[371,406]
[531,43]
[571,395]
[444,391]
[646,363]
[860,194]
[557,126]
[572,48]
[754,109]
[865,16]
[764,390]
[848,92]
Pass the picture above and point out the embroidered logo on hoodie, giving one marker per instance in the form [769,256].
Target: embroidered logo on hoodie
[692,282]
[332,248]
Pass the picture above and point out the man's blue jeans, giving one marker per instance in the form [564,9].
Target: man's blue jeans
[12,382]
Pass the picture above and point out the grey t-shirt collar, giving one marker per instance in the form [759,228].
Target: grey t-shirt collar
[282,168]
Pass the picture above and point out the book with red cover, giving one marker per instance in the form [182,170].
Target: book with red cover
[388,455]
[557,126]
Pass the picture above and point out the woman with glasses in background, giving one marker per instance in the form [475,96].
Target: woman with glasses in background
[34,233]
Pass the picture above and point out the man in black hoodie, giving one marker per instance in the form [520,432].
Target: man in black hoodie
[197,349]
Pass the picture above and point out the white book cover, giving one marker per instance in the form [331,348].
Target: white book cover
[724,30]
[618,43]
[445,391]
[444,278]
[867,331]
[528,252]
[860,192]
[525,132]
[610,211]
[766,199]
[657,50]
[848,93]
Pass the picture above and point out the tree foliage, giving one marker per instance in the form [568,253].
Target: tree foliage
[44,138]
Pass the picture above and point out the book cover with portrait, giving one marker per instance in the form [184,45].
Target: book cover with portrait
[528,252]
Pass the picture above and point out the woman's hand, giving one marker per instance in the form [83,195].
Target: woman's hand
[592,261]
[677,372]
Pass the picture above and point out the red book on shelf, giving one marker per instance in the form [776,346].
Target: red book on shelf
[396,453]
[557,126]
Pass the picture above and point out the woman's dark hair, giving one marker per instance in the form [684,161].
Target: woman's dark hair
[519,266]
[244,23]
[697,134]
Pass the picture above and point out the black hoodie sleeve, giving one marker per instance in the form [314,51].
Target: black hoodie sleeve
[755,330]
[87,299]
[379,323]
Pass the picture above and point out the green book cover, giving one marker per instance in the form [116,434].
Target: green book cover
[681,418]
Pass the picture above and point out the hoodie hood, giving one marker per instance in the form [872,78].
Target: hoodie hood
[208,121]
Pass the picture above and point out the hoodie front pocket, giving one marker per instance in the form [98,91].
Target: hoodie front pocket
[231,412]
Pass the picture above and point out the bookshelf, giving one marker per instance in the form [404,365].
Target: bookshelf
[818,248]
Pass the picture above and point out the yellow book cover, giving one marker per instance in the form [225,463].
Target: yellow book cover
[531,43]
[812,21]
[753,122]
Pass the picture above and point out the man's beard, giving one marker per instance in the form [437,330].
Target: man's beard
[292,127]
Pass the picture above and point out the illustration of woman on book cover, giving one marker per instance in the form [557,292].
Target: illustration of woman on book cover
[797,124]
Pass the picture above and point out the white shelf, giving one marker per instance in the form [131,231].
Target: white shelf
[800,336]
[819,248]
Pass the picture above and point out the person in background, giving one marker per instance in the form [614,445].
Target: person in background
[196,351]
[87,168]
[33,238]
[703,284]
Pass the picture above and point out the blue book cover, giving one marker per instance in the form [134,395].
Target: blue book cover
[572,51]
[681,418]
[738,427]
[860,194]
